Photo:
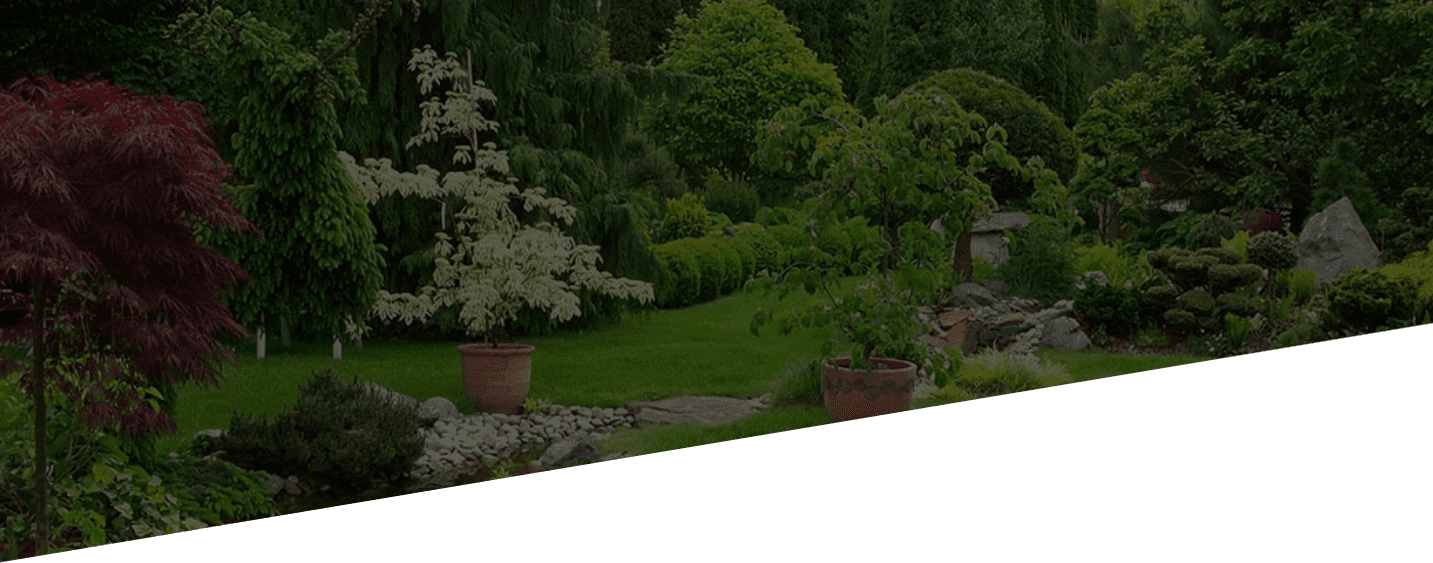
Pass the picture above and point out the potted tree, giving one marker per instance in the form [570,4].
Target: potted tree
[919,160]
[498,267]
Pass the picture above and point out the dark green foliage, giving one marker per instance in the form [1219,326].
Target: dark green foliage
[337,434]
[695,270]
[736,199]
[1182,320]
[1225,277]
[1410,230]
[746,253]
[1041,264]
[1241,305]
[1114,310]
[1363,301]
[686,218]
[1225,256]
[1299,334]
[1197,300]
[726,265]
[1210,230]
[1273,250]
[791,237]
[833,240]
[680,282]
[1191,270]
[771,255]
[1339,177]
[640,28]
[1031,128]
[217,492]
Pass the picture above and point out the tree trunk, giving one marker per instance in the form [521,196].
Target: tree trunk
[259,338]
[963,265]
[284,331]
[42,454]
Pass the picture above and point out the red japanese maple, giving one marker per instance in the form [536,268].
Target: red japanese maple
[99,190]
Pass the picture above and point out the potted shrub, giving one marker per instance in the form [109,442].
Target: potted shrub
[921,158]
[497,268]
[876,349]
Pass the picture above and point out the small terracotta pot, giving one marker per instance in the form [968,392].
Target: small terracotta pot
[850,394]
[497,379]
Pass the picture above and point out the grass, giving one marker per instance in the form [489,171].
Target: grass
[704,349]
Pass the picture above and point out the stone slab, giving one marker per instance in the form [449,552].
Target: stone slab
[708,411]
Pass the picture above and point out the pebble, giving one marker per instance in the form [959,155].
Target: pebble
[483,437]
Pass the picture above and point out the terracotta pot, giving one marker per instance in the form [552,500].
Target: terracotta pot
[851,394]
[497,379]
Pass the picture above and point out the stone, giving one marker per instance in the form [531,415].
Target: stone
[988,236]
[276,484]
[707,411]
[390,395]
[211,433]
[1064,333]
[1011,323]
[999,289]
[971,296]
[1335,241]
[572,449]
[439,408]
[728,232]
[1096,276]
[954,316]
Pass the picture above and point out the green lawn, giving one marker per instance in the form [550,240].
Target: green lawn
[704,349]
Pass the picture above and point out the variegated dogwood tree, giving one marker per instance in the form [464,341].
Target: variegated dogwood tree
[497,267]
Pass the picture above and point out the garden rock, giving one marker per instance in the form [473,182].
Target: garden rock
[390,395]
[706,411]
[577,448]
[1093,275]
[438,408]
[1335,241]
[974,320]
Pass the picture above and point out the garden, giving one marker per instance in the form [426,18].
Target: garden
[802,217]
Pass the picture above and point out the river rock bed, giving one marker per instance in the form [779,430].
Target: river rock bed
[459,441]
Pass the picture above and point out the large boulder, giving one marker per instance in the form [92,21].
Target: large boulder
[1335,241]
[577,448]
[438,408]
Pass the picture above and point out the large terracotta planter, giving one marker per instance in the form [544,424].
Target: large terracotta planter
[852,394]
[497,379]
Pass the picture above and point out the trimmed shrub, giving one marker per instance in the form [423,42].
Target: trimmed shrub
[338,434]
[771,255]
[1210,230]
[1223,255]
[1241,305]
[1364,301]
[747,254]
[1273,250]
[686,217]
[712,264]
[1112,309]
[1197,301]
[1224,277]
[681,279]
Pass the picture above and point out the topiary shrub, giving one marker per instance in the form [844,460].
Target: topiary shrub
[680,283]
[1190,271]
[1363,301]
[1224,277]
[1209,231]
[716,273]
[338,434]
[1223,255]
[686,217]
[1241,305]
[747,255]
[1273,250]
[734,199]
[1197,301]
[1112,309]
